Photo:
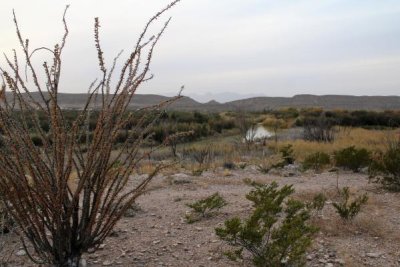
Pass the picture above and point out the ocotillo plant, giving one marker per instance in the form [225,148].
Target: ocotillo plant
[60,218]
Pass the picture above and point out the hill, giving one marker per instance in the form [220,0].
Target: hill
[329,102]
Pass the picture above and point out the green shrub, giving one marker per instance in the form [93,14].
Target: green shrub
[385,168]
[205,207]
[318,202]
[352,158]
[348,210]
[229,165]
[287,154]
[276,233]
[316,161]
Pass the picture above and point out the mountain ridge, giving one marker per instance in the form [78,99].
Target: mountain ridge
[329,102]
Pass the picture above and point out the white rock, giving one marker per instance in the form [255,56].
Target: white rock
[107,263]
[21,252]
[373,254]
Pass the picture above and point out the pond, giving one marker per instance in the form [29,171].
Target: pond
[258,132]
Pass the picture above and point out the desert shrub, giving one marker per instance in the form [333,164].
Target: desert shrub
[352,158]
[62,218]
[317,204]
[319,129]
[385,167]
[316,161]
[287,154]
[197,171]
[269,163]
[229,165]
[276,233]
[201,154]
[242,165]
[347,209]
[205,207]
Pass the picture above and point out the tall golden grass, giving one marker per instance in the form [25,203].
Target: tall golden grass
[372,140]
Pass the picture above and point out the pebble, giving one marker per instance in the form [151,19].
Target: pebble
[21,252]
[107,263]
[373,255]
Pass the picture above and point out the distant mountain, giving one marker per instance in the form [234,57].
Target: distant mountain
[325,102]
[223,97]
[76,101]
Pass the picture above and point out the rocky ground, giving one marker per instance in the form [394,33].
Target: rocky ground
[156,234]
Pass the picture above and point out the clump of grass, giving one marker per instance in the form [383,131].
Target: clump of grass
[269,163]
[204,208]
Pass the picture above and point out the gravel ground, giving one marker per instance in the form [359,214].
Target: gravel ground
[159,236]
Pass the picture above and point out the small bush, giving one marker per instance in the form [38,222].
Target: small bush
[348,210]
[276,233]
[229,165]
[197,172]
[385,168]
[269,163]
[352,158]
[318,202]
[202,155]
[205,207]
[316,161]
[242,165]
[287,154]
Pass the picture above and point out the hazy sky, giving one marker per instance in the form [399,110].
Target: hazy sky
[273,48]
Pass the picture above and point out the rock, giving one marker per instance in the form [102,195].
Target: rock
[329,264]
[181,178]
[21,252]
[373,255]
[340,261]
[82,263]
[107,263]
[102,246]
[155,242]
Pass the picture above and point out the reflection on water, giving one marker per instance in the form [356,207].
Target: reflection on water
[257,133]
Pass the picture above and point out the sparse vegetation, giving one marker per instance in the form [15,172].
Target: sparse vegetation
[385,167]
[287,154]
[316,161]
[205,207]
[348,209]
[270,240]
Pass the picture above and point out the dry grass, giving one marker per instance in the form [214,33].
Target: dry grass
[370,139]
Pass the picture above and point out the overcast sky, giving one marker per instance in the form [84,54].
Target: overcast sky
[265,47]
